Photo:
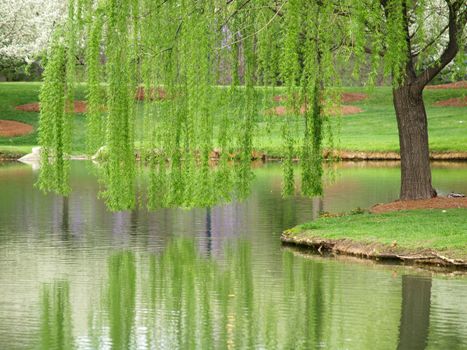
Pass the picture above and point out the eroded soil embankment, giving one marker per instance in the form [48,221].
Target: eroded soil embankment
[375,251]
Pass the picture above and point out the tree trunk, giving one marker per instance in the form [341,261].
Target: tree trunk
[414,325]
[413,140]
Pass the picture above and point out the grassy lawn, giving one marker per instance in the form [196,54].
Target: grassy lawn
[442,230]
[373,130]
[14,94]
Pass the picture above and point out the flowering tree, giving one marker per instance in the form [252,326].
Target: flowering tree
[26,27]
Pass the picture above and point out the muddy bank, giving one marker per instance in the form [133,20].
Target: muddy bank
[7,156]
[380,156]
[357,155]
[375,251]
[351,156]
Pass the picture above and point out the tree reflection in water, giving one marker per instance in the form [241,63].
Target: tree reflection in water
[56,328]
[415,314]
[181,299]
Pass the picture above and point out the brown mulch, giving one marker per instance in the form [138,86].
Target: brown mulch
[155,94]
[346,97]
[80,107]
[29,107]
[433,203]
[279,98]
[344,110]
[278,110]
[341,110]
[452,102]
[456,85]
[11,128]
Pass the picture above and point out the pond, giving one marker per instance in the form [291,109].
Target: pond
[74,275]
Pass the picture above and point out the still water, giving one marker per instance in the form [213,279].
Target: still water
[74,276]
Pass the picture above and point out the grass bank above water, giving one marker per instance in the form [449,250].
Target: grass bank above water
[434,236]
[373,130]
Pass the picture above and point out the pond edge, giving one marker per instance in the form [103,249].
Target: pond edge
[339,155]
[373,251]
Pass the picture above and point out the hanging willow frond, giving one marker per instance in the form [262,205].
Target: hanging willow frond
[176,58]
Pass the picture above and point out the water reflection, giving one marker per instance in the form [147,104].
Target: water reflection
[213,277]
[56,327]
[120,299]
[180,299]
[415,315]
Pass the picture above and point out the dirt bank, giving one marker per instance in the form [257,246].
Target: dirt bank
[375,251]
[11,128]
[370,155]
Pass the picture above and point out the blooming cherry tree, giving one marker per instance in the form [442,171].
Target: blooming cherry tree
[26,27]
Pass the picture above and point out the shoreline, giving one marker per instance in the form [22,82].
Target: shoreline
[340,155]
[373,251]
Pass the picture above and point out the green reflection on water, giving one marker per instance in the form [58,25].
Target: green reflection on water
[121,298]
[189,301]
[56,328]
[250,294]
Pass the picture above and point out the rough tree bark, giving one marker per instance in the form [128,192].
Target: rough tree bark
[410,109]
[413,140]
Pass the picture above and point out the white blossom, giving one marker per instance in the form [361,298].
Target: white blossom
[26,26]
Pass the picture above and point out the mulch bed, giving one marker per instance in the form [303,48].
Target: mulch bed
[344,110]
[155,94]
[456,85]
[341,110]
[452,102]
[11,128]
[433,203]
[346,97]
[80,107]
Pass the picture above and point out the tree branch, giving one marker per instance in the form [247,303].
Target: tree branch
[431,42]
[457,21]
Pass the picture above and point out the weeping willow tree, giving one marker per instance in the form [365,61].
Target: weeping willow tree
[177,57]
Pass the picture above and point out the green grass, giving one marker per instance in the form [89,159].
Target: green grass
[11,95]
[373,130]
[376,129]
[14,94]
[442,230]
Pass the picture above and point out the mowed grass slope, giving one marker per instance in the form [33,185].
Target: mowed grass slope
[442,230]
[14,94]
[373,130]
[376,128]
